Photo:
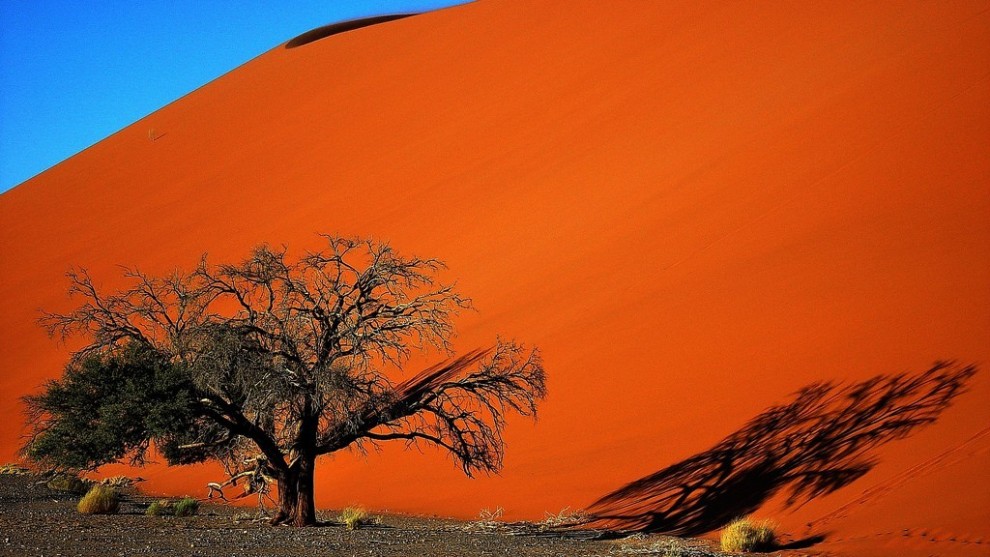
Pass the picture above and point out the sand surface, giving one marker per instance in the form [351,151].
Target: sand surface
[694,209]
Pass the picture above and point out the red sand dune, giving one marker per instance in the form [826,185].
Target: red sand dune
[694,209]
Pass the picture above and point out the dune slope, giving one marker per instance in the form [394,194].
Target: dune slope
[694,209]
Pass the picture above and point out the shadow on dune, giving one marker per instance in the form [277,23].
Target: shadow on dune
[336,28]
[812,446]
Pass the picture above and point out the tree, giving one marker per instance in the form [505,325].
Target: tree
[275,362]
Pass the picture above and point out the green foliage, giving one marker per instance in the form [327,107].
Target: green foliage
[746,535]
[108,407]
[101,499]
[160,508]
[186,506]
[69,483]
[353,517]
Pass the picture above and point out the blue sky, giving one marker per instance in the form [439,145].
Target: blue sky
[73,72]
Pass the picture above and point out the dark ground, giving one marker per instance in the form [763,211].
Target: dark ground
[36,521]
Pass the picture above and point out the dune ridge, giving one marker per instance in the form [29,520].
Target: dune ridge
[342,27]
[694,209]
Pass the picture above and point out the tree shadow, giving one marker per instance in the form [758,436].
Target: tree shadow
[814,445]
[803,543]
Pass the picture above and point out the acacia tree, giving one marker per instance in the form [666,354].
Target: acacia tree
[278,361]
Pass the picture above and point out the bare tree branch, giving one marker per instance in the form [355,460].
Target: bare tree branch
[289,356]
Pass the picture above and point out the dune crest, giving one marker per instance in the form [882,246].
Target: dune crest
[342,27]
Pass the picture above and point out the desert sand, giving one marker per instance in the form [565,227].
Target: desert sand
[694,209]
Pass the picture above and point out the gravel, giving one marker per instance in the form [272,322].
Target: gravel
[36,521]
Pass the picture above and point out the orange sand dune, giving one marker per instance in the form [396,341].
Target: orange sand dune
[694,209]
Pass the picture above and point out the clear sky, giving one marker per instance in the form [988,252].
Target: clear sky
[73,72]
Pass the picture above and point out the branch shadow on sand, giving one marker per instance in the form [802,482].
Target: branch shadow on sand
[812,446]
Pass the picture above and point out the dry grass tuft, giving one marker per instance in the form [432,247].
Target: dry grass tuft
[13,470]
[746,535]
[487,516]
[563,519]
[120,481]
[639,544]
[353,517]
[187,506]
[101,499]
[160,508]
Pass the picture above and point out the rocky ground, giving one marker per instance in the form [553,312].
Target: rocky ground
[36,521]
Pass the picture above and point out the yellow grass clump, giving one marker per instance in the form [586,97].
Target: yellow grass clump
[101,499]
[746,535]
[353,517]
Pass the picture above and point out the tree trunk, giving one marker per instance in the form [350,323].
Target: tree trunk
[306,464]
[288,498]
[305,503]
[296,504]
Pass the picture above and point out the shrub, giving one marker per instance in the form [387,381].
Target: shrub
[746,535]
[186,506]
[160,508]
[69,483]
[353,517]
[101,499]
